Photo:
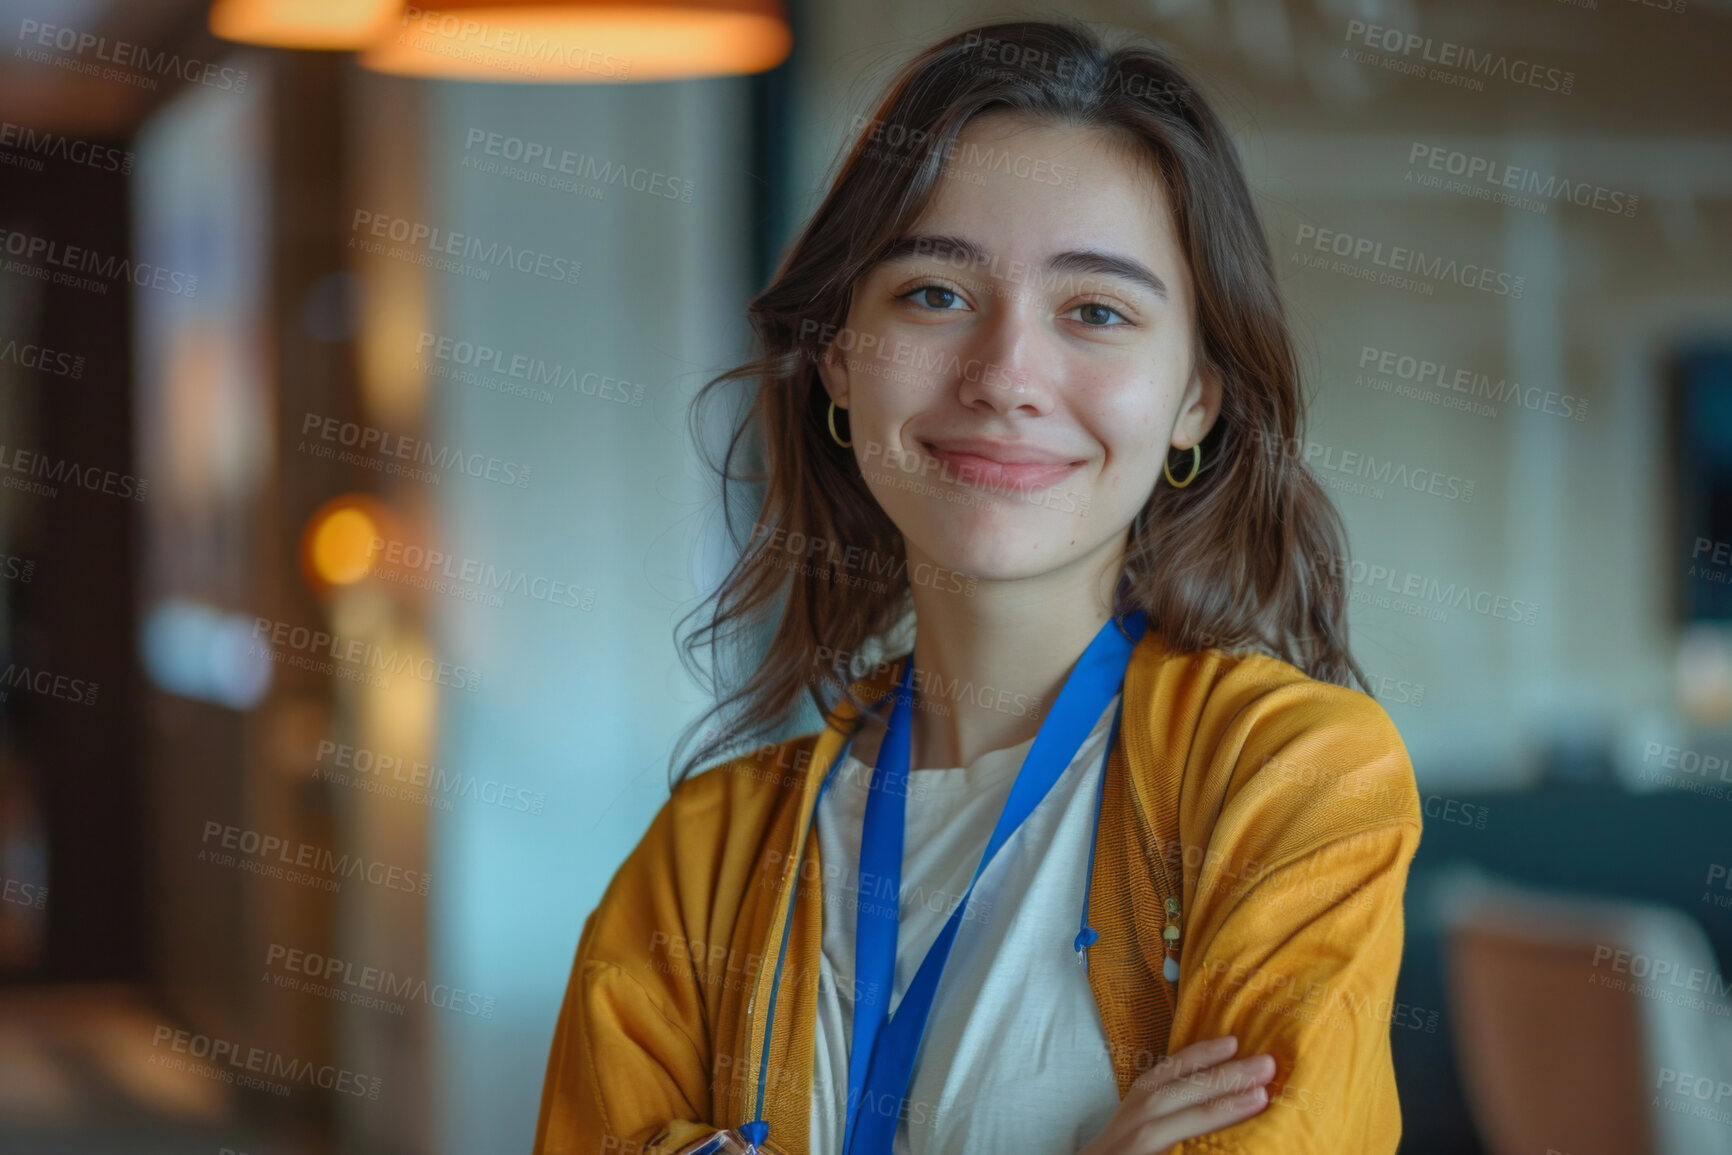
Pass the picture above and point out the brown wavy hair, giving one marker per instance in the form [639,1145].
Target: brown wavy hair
[1251,556]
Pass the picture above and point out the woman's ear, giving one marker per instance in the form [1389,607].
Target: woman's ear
[833,373]
[1200,406]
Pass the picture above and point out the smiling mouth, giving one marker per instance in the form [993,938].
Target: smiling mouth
[980,472]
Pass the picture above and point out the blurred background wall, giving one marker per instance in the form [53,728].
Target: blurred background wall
[353,566]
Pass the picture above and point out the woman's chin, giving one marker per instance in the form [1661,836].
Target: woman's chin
[960,558]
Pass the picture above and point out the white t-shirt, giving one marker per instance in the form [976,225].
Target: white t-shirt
[1014,1058]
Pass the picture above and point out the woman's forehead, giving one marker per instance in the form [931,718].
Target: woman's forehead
[1038,205]
[1027,190]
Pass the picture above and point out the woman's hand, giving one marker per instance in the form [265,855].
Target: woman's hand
[1188,1093]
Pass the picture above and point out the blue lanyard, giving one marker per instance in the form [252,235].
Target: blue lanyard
[884,1046]
[882,1065]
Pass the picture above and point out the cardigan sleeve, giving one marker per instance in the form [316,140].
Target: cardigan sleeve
[628,1070]
[640,1100]
[1293,939]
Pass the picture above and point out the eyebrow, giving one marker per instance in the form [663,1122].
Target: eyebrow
[962,251]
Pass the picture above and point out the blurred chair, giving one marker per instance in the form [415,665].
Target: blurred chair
[1585,1026]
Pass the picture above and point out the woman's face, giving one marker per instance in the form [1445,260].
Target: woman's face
[1016,372]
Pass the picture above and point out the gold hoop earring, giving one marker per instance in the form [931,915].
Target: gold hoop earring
[1196,464]
[834,436]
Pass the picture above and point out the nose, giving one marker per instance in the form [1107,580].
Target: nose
[1008,364]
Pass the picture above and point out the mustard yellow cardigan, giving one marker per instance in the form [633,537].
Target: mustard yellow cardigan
[1281,811]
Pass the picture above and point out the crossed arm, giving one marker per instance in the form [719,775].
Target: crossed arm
[1293,942]
[1300,962]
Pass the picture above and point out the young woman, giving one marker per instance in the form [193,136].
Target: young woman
[1113,859]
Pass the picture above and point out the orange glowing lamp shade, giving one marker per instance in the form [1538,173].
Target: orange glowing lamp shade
[580,41]
[339,542]
[329,24]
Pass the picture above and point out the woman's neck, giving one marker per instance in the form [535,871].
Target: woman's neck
[989,664]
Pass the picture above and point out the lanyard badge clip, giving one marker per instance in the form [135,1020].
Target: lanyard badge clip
[734,1141]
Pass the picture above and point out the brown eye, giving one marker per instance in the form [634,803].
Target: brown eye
[1098,315]
[932,296]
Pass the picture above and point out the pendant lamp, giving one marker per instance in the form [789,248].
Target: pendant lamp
[329,24]
[581,41]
